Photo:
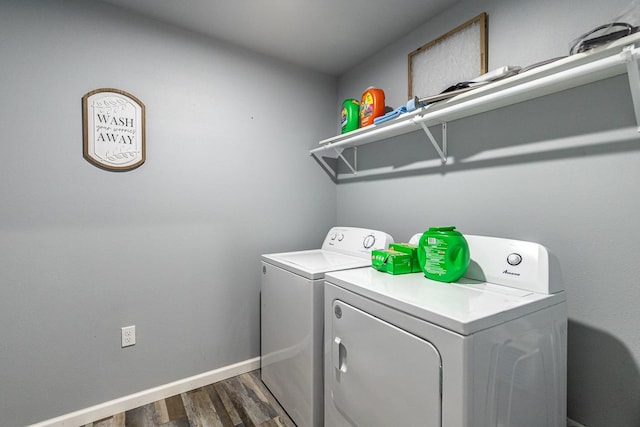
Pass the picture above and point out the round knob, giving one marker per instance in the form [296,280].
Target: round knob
[369,241]
[333,236]
[340,237]
[514,259]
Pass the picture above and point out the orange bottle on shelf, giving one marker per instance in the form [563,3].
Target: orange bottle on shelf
[371,106]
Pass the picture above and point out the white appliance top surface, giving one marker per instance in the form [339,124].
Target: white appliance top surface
[343,247]
[314,263]
[466,306]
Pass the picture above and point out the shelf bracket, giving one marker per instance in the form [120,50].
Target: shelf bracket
[442,152]
[634,79]
[355,159]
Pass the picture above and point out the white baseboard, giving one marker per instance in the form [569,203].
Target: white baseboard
[106,409]
[571,423]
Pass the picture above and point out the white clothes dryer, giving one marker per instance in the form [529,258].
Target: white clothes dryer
[489,350]
[292,300]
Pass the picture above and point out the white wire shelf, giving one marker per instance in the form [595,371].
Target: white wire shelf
[608,61]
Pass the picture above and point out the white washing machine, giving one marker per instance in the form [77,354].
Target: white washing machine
[292,317]
[489,350]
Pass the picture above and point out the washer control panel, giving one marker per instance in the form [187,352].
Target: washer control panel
[356,241]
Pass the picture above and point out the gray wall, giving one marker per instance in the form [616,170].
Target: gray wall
[173,246]
[561,170]
[228,176]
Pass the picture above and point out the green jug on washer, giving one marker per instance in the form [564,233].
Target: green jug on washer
[443,254]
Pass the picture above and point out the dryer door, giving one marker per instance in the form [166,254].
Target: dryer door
[381,375]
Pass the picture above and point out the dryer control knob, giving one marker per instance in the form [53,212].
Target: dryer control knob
[340,237]
[514,259]
[333,236]
[369,241]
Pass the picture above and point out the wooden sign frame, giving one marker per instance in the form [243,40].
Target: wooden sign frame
[456,55]
[114,129]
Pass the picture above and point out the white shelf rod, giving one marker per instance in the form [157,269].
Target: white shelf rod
[355,158]
[525,91]
[444,140]
[354,140]
[442,152]
[634,79]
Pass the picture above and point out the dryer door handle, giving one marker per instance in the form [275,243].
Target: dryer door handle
[339,355]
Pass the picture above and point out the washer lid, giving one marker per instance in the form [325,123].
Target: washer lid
[466,306]
[312,264]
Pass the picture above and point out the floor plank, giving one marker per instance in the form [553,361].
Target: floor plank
[241,401]
[175,408]
[200,409]
[231,410]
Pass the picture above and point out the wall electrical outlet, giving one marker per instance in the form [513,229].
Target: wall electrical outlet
[128,335]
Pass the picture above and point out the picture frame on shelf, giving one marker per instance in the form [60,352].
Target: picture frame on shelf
[457,56]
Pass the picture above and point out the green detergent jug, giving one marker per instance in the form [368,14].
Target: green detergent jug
[349,116]
[443,254]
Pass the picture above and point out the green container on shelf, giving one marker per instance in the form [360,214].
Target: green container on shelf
[443,254]
[350,115]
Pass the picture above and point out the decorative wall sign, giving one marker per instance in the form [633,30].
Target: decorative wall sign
[457,56]
[114,129]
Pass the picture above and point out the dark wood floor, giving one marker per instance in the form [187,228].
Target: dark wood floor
[241,401]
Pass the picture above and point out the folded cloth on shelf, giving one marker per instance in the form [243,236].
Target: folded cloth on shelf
[390,115]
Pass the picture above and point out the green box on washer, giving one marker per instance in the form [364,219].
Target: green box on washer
[411,250]
[391,261]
